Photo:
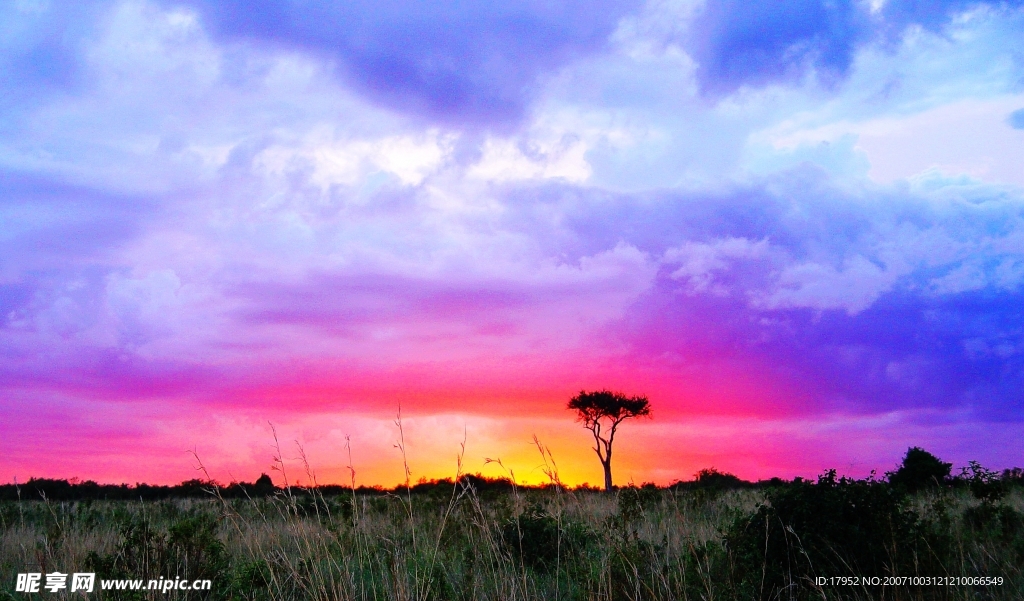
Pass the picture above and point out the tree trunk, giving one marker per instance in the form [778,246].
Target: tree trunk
[607,475]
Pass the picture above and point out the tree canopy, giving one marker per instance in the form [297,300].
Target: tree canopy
[591,407]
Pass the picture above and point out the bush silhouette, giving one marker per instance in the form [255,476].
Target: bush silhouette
[834,526]
[711,478]
[263,486]
[920,469]
[984,483]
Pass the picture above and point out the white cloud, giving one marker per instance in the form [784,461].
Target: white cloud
[853,287]
[970,137]
[560,157]
[936,101]
[699,262]
[332,160]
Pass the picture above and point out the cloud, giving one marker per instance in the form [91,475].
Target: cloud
[854,286]
[503,160]
[740,44]
[966,137]
[934,15]
[1016,119]
[52,226]
[702,264]
[41,46]
[471,62]
[349,162]
[313,211]
[801,293]
[906,305]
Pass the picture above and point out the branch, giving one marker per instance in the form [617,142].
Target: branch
[597,445]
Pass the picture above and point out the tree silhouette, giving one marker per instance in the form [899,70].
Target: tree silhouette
[601,412]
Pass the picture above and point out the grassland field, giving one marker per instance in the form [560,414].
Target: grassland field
[471,539]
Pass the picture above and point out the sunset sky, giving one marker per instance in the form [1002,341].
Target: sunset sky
[797,227]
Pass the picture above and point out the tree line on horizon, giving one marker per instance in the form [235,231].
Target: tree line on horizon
[600,411]
[918,470]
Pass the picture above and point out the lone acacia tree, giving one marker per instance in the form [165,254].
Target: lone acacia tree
[601,412]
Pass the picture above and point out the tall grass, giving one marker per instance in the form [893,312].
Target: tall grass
[462,539]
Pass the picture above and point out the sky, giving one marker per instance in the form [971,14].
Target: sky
[797,227]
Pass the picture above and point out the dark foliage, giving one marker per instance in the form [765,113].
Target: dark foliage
[263,486]
[1002,521]
[984,483]
[250,580]
[533,538]
[538,540]
[920,469]
[65,490]
[1013,476]
[834,526]
[605,404]
[189,549]
[712,479]
[633,502]
[482,485]
[72,490]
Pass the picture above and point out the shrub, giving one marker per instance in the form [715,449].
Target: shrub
[189,548]
[250,580]
[633,502]
[834,526]
[536,539]
[263,486]
[713,479]
[1000,520]
[984,483]
[194,551]
[920,469]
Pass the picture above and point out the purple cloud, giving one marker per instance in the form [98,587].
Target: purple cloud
[753,43]
[40,49]
[934,15]
[288,208]
[739,43]
[867,301]
[475,62]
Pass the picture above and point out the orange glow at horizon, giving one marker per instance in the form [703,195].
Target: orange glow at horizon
[658,451]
